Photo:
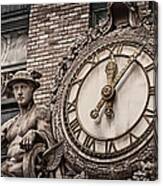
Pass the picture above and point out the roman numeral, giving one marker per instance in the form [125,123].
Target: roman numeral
[133,138]
[89,143]
[71,106]
[150,112]
[74,124]
[150,67]
[152,91]
[112,147]
[77,132]
[119,49]
[150,115]
[106,146]
[91,61]
[75,127]
[96,56]
[76,81]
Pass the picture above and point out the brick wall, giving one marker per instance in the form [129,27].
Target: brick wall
[52,29]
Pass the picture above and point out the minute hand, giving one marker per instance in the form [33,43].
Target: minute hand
[124,70]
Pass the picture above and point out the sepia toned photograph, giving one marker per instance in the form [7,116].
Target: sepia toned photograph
[79,90]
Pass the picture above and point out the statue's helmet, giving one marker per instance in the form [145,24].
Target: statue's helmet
[24,76]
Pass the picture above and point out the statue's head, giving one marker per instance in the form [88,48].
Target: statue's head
[23,84]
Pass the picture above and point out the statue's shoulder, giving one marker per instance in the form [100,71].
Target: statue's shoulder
[43,112]
[10,122]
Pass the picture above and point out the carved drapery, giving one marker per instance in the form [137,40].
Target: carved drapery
[13,48]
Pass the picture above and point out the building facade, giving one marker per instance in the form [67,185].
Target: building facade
[39,37]
[54,39]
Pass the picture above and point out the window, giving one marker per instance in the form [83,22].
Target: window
[14,35]
[98,12]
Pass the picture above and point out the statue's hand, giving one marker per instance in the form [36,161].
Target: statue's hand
[28,140]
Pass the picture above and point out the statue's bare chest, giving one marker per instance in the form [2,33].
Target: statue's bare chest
[21,125]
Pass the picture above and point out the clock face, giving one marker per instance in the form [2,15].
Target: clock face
[103,138]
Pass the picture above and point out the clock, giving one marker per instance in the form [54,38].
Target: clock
[107,111]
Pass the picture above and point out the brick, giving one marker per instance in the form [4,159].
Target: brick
[52,29]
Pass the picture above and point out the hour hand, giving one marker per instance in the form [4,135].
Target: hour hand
[95,112]
[109,109]
[107,91]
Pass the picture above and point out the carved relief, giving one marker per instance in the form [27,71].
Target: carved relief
[4,79]
[13,48]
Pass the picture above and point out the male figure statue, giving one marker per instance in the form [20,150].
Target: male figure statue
[27,128]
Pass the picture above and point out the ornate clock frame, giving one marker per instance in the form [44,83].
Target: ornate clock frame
[142,162]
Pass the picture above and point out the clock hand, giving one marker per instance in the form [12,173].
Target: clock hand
[111,71]
[112,81]
[95,112]
[109,108]
[107,91]
[127,66]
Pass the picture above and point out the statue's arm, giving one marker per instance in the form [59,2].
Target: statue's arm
[44,131]
[40,133]
[4,129]
[4,140]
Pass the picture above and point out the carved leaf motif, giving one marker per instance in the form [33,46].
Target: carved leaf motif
[53,156]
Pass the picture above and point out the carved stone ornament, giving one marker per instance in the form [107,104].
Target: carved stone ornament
[104,104]
[13,48]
